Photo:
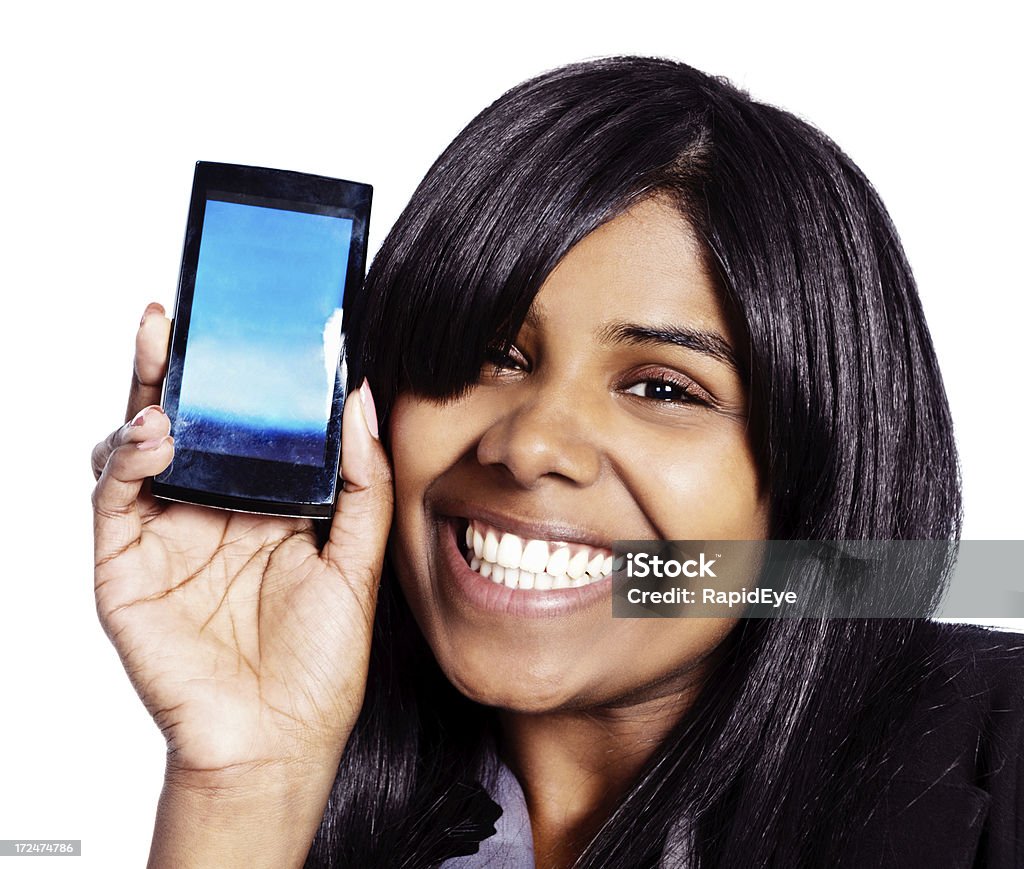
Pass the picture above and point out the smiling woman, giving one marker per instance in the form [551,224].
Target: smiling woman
[627,302]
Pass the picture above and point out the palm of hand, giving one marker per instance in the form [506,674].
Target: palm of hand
[236,632]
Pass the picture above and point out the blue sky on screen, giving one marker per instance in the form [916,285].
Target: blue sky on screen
[266,317]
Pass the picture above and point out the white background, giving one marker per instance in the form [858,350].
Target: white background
[106,107]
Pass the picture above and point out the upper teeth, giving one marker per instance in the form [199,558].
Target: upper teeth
[520,562]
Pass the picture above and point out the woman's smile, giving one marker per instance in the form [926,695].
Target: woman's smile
[533,562]
[617,413]
[505,587]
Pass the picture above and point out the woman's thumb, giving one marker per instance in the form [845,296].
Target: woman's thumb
[362,518]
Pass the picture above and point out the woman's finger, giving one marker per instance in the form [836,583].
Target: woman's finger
[151,343]
[362,518]
[149,423]
[116,517]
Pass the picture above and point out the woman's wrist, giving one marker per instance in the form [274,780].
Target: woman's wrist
[258,815]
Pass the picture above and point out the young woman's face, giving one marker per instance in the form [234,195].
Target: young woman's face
[616,415]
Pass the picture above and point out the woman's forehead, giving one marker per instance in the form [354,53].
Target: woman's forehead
[644,266]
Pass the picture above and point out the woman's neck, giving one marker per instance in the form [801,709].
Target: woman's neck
[575,766]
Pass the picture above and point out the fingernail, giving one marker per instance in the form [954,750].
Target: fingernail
[369,408]
[153,444]
[140,417]
[151,308]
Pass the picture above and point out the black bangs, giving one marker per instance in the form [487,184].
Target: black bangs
[533,174]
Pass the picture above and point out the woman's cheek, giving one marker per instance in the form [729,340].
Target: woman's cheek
[705,490]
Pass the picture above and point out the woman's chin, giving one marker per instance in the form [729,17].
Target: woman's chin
[513,690]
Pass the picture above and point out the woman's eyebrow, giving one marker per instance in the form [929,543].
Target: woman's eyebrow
[703,341]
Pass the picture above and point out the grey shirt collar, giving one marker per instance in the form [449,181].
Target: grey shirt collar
[511,846]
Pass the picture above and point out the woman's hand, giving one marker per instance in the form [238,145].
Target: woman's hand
[247,644]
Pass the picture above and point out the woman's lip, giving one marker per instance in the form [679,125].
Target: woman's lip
[552,531]
[470,588]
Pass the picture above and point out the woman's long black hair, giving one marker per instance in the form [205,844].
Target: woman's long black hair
[849,423]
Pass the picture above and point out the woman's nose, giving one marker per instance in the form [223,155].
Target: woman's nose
[544,438]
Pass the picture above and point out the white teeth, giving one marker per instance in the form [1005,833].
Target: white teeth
[491,547]
[477,543]
[559,561]
[578,564]
[510,551]
[535,556]
[516,562]
[617,563]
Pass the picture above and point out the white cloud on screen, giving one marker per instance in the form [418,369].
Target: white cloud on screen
[286,386]
[332,352]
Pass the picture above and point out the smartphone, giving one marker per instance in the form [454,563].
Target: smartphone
[255,384]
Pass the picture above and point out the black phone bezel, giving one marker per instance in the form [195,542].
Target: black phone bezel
[249,484]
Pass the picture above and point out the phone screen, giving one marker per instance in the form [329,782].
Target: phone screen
[258,378]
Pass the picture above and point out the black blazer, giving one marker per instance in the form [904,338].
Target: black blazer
[955,790]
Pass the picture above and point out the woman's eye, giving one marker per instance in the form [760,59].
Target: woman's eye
[665,390]
[505,358]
